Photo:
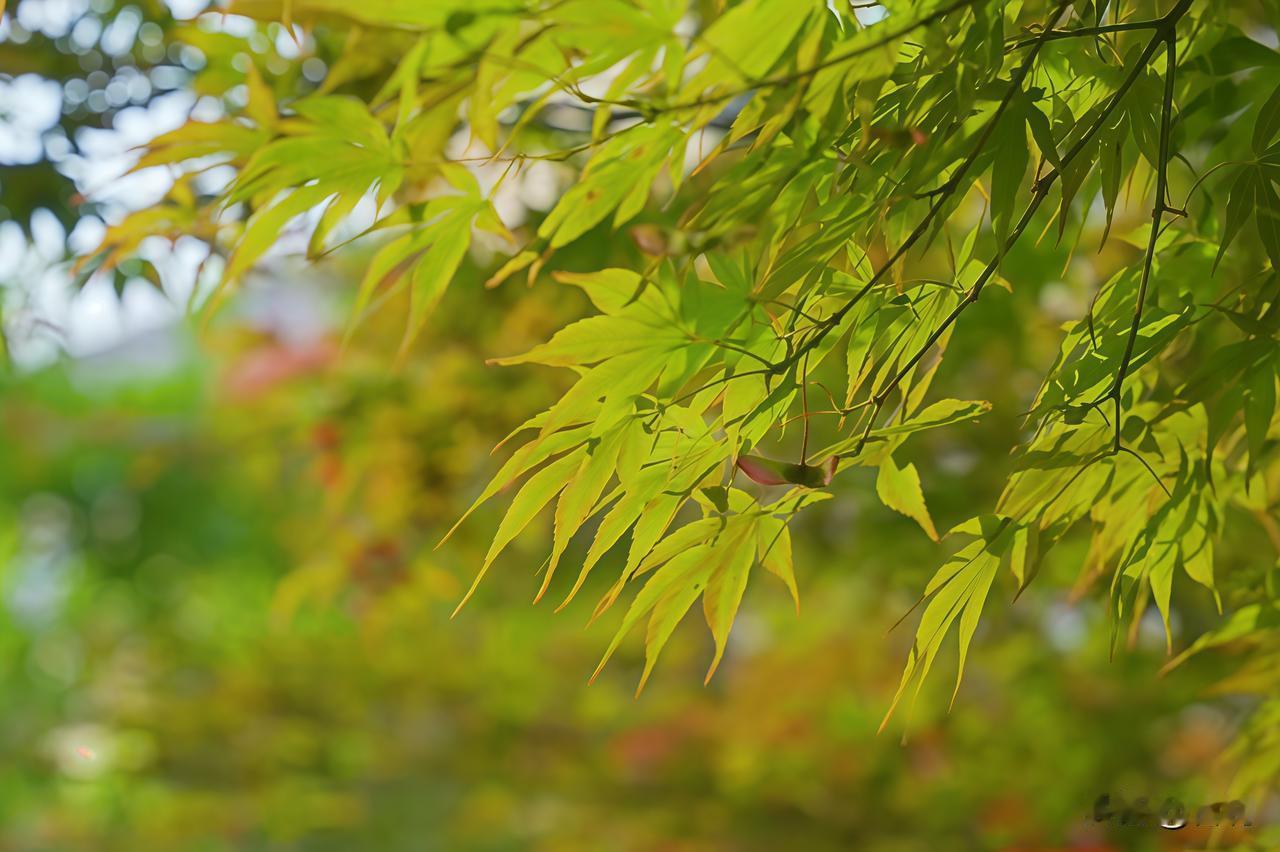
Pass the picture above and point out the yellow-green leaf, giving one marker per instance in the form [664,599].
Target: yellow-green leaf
[899,489]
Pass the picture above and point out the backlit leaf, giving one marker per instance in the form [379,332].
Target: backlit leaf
[899,489]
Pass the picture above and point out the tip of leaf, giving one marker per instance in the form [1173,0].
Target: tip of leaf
[471,591]
[453,529]
[402,354]
[572,592]
[884,723]
[715,664]
[595,674]
[603,605]
[348,333]
[903,617]
[475,584]
[549,566]
[207,311]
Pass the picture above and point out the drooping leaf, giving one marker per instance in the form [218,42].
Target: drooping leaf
[724,590]
[1268,218]
[774,545]
[1239,207]
[1259,409]
[899,489]
[957,591]
[1008,170]
[1267,125]
[537,492]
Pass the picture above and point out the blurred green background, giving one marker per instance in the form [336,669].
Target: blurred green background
[224,624]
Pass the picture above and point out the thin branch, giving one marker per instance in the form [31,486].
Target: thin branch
[1122,449]
[1165,35]
[718,381]
[1056,35]
[804,401]
[1157,217]
[804,73]
[792,308]
[733,347]
[942,195]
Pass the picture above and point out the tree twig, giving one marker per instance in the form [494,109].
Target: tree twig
[1164,35]
[1168,36]
[1056,35]
[940,198]
[804,73]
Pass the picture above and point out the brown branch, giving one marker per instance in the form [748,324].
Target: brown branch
[1165,35]
[804,73]
[1056,35]
[941,196]
[1169,37]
